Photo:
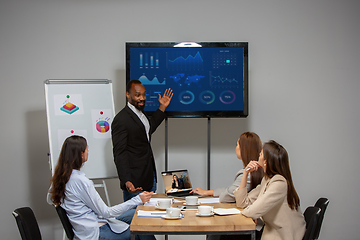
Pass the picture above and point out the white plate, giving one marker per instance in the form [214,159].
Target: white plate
[170,218]
[191,204]
[204,215]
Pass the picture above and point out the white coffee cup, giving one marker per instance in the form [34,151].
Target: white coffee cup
[191,200]
[163,203]
[205,210]
[173,212]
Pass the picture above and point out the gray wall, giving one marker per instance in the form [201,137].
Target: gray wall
[304,83]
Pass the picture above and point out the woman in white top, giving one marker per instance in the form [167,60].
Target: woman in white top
[248,147]
[275,200]
[90,217]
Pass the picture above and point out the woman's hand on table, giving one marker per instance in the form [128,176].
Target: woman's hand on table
[202,192]
[145,196]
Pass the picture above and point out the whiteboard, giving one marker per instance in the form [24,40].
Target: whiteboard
[82,107]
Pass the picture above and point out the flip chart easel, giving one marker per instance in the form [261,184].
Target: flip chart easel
[82,107]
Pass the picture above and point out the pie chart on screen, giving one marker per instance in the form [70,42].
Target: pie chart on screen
[227,97]
[102,126]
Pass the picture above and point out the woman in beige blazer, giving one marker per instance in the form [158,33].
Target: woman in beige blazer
[275,200]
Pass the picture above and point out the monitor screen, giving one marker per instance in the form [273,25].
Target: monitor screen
[208,79]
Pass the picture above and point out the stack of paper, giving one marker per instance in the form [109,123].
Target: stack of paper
[226,211]
[208,200]
[142,213]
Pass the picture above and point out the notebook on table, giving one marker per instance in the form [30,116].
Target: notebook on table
[177,183]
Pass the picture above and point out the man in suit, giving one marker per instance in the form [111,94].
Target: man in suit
[131,133]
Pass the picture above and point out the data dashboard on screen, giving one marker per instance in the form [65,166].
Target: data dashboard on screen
[208,79]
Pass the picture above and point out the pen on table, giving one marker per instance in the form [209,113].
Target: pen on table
[158,213]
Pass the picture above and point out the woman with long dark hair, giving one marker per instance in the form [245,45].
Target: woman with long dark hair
[275,200]
[248,147]
[90,217]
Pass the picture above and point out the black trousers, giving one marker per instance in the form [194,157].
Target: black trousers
[241,237]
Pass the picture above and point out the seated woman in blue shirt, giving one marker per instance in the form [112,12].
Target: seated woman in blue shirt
[90,217]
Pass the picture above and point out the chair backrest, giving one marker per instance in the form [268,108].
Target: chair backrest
[27,224]
[311,215]
[322,203]
[65,222]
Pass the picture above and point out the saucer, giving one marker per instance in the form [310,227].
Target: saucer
[170,218]
[204,215]
[197,204]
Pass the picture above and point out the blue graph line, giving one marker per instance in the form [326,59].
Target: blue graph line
[155,81]
[222,80]
[190,58]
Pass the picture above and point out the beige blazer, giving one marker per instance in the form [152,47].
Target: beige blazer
[269,201]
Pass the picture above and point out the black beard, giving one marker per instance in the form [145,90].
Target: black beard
[140,107]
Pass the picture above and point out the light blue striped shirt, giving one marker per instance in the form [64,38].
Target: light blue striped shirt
[86,209]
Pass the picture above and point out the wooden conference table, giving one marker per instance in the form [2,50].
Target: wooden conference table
[191,224]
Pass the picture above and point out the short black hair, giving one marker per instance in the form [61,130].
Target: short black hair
[130,83]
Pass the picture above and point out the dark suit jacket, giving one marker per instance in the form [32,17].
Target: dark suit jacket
[132,151]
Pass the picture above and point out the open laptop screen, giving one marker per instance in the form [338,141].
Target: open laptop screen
[176,181]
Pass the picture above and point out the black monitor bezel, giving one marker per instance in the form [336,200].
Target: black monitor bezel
[198,114]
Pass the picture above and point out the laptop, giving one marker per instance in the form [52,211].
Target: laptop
[177,183]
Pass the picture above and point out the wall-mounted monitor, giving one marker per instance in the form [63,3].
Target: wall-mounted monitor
[208,79]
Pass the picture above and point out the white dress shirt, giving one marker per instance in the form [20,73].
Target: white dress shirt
[142,117]
[86,209]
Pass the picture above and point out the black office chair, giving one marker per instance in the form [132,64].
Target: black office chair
[322,203]
[65,222]
[311,215]
[27,224]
